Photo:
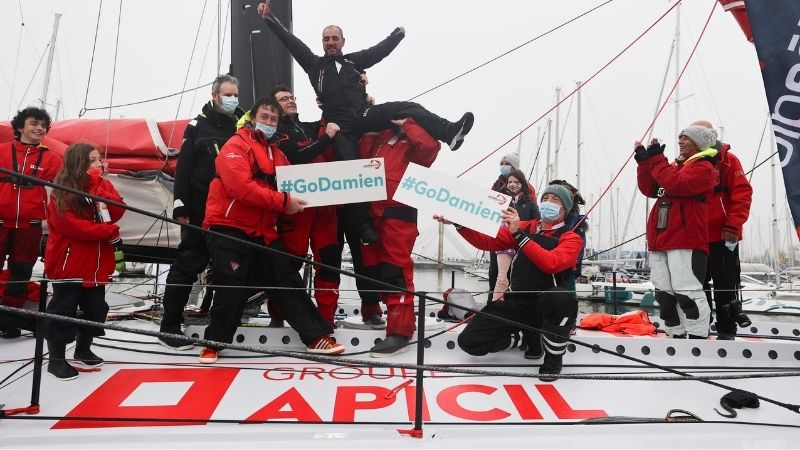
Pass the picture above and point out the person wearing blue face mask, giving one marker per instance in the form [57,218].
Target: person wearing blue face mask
[547,251]
[244,203]
[202,140]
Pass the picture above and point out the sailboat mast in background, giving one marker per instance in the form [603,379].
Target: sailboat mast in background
[49,67]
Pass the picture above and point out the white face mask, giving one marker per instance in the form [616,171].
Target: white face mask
[514,187]
[268,130]
[228,103]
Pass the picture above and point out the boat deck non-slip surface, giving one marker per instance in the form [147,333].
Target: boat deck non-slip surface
[149,396]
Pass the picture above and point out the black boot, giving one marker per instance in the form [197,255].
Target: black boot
[551,367]
[392,345]
[58,366]
[535,348]
[10,332]
[458,130]
[83,352]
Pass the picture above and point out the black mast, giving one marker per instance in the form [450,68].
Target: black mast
[258,59]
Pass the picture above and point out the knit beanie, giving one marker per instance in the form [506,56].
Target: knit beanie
[513,159]
[702,137]
[562,193]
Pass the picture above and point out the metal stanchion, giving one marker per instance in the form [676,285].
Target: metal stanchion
[614,290]
[417,431]
[38,358]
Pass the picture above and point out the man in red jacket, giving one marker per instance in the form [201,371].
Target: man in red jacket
[23,208]
[547,252]
[243,202]
[728,210]
[389,259]
[309,142]
[677,229]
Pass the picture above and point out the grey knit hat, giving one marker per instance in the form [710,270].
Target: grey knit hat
[513,159]
[562,193]
[702,137]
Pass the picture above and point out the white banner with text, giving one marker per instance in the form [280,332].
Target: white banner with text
[334,183]
[464,203]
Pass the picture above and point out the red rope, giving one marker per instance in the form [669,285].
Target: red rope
[574,90]
[652,123]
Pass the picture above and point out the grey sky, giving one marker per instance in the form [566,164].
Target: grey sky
[444,38]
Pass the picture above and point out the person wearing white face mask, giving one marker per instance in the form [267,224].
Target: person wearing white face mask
[202,140]
[508,164]
[547,252]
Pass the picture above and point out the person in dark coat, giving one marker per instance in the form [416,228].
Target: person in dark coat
[202,141]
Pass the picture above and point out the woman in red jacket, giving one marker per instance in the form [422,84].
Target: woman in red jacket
[79,256]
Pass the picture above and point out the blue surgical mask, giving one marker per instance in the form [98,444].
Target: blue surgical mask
[266,129]
[549,210]
[505,170]
[228,104]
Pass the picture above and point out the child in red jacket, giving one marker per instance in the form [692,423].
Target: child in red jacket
[80,256]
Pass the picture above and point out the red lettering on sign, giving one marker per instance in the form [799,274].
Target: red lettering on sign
[525,407]
[198,403]
[562,408]
[299,409]
[448,401]
[346,403]
[279,374]
[411,399]
[312,371]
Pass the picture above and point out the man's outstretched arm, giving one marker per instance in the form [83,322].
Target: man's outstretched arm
[300,51]
[369,57]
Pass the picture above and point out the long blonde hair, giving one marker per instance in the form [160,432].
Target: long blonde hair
[73,175]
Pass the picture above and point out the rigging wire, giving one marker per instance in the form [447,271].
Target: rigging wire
[758,149]
[84,110]
[16,60]
[203,63]
[513,49]
[91,62]
[601,69]
[33,76]
[653,122]
[188,69]
[113,77]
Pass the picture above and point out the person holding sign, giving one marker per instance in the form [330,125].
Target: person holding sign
[337,79]
[244,203]
[389,259]
[309,142]
[547,252]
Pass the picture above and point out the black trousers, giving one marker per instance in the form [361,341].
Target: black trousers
[192,259]
[236,264]
[353,242]
[493,272]
[723,269]
[67,298]
[554,311]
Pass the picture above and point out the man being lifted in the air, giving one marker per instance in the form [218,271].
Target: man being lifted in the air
[336,79]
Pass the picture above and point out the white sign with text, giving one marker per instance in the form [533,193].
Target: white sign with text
[334,183]
[460,202]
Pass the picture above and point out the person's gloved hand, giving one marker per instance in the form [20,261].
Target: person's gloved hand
[640,153]
[119,257]
[655,149]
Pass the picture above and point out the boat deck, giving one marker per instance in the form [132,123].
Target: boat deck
[149,396]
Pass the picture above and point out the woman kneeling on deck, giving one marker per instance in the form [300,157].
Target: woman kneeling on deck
[80,256]
[547,252]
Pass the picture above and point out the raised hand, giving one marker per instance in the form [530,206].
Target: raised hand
[263,9]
